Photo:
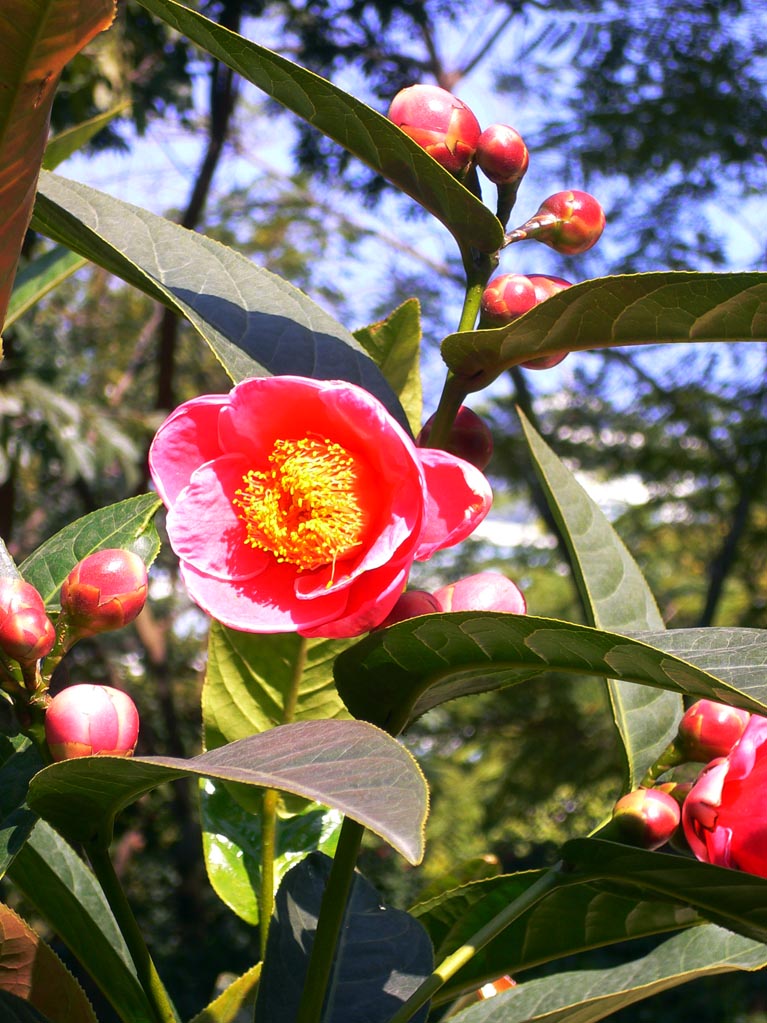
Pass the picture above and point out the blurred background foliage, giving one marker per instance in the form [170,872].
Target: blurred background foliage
[660,110]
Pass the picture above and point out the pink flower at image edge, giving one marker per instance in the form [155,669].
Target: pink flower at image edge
[300,505]
[725,813]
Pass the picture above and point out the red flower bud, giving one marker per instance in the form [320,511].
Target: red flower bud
[439,122]
[545,285]
[505,298]
[709,730]
[485,591]
[104,591]
[725,814]
[85,720]
[411,604]
[569,222]
[26,632]
[647,817]
[502,154]
[469,439]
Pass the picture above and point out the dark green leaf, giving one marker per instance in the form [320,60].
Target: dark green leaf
[382,956]
[64,892]
[20,762]
[255,323]
[393,676]
[347,765]
[128,524]
[39,277]
[609,312]
[590,995]
[615,596]
[362,131]
[395,345]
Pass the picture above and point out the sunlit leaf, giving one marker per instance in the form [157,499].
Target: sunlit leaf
[37,278]
[233,1001]
[66,143]
[395,345]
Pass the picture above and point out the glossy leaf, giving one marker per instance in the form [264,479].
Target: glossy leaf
[36,41]
[730,898]
[739,656]
[30,970]
[610,312]
[395,345]
[569,920]
[589,995]
[616,596]
[362,131]
[19,763]
[37,278]
[382,956]
[347,765]
[255,322]
[127,524]
[234,1001]
[54,879]
[393,676]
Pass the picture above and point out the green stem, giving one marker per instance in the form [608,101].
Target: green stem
[463,955]
[269,806]
[157,996]
[330,921]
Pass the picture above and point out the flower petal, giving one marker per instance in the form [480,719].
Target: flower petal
[369,602]
[187,438]
[458,499]
[204,529]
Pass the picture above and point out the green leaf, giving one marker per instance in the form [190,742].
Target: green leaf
[609,312]
[739,656]
[32,972]
[20,762]
[729,898]
[347,765]
[54,879]
[615,596]
[393,676]
[395,345]
[128,524]
[37,278]
[60,147]
[231,1004]
[362,131]
[569,920]
[382,956]
[255,323]
[252,682]
[590,995]
[36,42]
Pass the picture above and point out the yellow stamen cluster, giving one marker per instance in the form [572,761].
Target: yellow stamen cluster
[304,508]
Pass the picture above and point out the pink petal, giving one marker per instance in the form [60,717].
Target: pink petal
[265,604]
[458,499]
[204,529]
[369,602]
[187,438]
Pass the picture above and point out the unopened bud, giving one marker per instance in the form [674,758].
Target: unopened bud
[411,604]
[505,298]
[86,720]
[502,154]
[709,730]
[470,438]
[484,591]
[439,122]
[26,631]
[569,222]
[104,591]
[647,817]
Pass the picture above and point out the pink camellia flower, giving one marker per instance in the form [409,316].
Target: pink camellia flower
[725,814]
[647,817]
[709,730]
[85,720]
[300,505]
[484,591]
[26,631]
[104,591]
[469,438]
[439,122]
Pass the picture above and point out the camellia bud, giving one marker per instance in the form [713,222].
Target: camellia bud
[485,591]
[104,591]
[545,286]
[439,122]
[569,222]
[469,439]
[411,604]
[647,817]
[26,631]
[505,298]
[85,720]
[502,154]
[709,730]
